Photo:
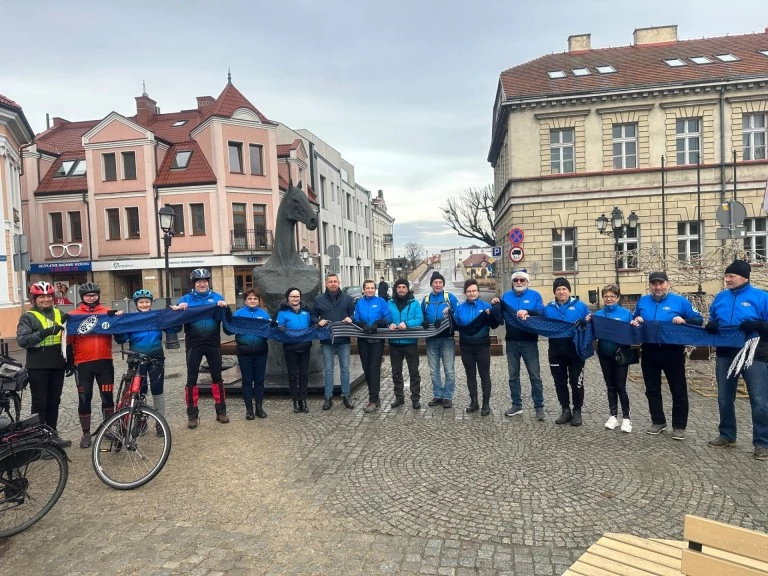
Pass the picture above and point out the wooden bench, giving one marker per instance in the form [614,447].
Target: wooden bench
[713,549]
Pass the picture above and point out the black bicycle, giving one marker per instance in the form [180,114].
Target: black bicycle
[133,444]
[33,473]
[13,381]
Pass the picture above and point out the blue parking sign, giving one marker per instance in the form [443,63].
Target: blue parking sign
[496,251]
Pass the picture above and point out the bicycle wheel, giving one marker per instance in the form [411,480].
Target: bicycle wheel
[31,481]
[13,409]
[129,450]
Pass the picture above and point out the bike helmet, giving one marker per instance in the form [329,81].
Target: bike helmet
[41,289]
[88,288]
[142,294]
[200,274]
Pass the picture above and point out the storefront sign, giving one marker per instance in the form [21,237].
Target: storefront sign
[58,267]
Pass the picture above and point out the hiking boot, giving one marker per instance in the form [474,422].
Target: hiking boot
[721,442]
[655,429]
[678,433]
[473,405]
[415,404]
[260,410]
[565,416]
[761,453]
[371,407]
[85,441]
[447,403]
[540,414]
[59,442]
[304,406]
[223,418]
[347,402]
[514,410]
[612,423]
[576,418]
[398,401]
[486,409]
[435,402]
[249,410]
[296,407]
[327,404]
[193,422]
[626,425]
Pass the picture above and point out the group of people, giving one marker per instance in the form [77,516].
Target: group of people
[89,357]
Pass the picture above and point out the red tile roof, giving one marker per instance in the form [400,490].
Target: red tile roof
[230,100]
[638,66]
[475,260]
[66,137]
[162,125]
[282,182]
[8,102]
[284,150]
[197,172]
[52,185]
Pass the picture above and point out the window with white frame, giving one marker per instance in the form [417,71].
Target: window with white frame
[75,227]
[132,222]
[561,150]
[624,146]
[109,167]
[688,140]
[236,157]
[754,132]
[756,240]
[688,247]
[178,221]
[113,224]
[57,227]
[198,219]
[628,248]
[563,249]
[129,165]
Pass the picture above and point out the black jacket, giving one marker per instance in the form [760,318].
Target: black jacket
[333,308]
[29,333]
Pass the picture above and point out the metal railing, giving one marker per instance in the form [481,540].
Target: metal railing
[248,240]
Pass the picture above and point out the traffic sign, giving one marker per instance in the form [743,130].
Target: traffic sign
[731,213]
[496,251]
[516,236]
[333,251]
[516,253]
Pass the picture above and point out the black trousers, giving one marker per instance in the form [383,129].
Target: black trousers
[297,363]
[669,359]
[103,371]
[46,386]
[371,352]
[616,381]
[195,355]
[565,370]
[477,359]
[409,353]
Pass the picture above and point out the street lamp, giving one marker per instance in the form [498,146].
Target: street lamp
[618,230]
[166,215]
[359,271]
[304,254]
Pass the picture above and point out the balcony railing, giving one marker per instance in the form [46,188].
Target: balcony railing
[387,239]
[249,240]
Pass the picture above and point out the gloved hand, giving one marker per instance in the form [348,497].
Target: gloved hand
[425,324]
[64,318]
[111,312]
[56,328]
[273,324]
[370,329]
[228,312]
[750,326]
[438,323]
[69,370]
[580,323]
[712,327]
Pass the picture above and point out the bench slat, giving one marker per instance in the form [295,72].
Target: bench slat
[674,543]
[579,568]
[673,552]
[617,563]
[725,537]
[635,558]
[702,564]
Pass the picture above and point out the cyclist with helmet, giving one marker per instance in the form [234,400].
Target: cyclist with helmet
[202,338]
[149,343]
[39,332]
[91,357]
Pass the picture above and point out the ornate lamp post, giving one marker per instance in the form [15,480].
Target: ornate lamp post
[304,253]
[618,229]
[167,216]
[359,271]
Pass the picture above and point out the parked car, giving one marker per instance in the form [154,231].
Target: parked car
[355,291]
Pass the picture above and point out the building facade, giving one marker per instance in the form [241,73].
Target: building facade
[382,225]
[15,132]
[452,260]
[635,128]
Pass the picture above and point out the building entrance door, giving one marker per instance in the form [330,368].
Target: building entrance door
[243,282]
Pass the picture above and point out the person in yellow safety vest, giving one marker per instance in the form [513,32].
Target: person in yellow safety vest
[39,332]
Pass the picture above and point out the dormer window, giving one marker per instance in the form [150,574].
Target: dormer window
[763,52]
[701,60]
[178,123]
[71,168]
[726,57]
[674,62]
[554,74]
[581,72]
[181,160]
[605,69]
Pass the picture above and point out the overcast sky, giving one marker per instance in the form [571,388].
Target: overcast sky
[403,89]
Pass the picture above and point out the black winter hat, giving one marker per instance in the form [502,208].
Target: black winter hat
[436,276]
[740,268]
[561,282]
[400,281]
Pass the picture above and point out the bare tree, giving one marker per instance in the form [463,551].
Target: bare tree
[470,214]
[414,253]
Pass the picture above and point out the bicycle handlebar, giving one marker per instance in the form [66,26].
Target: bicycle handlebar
[141,358]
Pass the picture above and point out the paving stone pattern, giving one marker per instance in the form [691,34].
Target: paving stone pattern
[400,491]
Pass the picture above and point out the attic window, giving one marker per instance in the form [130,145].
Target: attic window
[71,168]
[700,60]
[726,58]
[581,72]
[763,52]
[605,69]
[674,62]
[181,160]
[554,74]
[178,123]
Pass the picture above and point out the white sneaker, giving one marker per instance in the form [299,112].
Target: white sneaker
[612,423]
[626,425]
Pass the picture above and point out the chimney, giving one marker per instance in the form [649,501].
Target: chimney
[381,194]
[59,121]
[655,35]
[579,42]
[203,101]
[146,108]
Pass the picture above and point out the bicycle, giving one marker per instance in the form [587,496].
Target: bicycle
[33,473]
[124,456]
[13,381]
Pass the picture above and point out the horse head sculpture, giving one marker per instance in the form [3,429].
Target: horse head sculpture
[294,208]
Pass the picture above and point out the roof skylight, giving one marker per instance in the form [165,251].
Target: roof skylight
[556,74]
[605,69]
[763,52]
[674,62]
[700,60]
[71,168]
[581,72]
[726,57]
[181,160]
[178,123]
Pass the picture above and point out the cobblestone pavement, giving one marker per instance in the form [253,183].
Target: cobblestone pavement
[400,491]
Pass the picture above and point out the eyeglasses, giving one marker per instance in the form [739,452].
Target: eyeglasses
[519,280]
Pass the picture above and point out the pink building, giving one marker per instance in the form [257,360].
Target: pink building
[91,191]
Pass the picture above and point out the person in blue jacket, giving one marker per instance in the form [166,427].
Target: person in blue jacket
[661,306]
[293,314]
[437,305]
[252,351]
[564,362]
[371,311]
[406,313]
[149,343]
[615,375]
[745,306]
[203,339]
[473,321]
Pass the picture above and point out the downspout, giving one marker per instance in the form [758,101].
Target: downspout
[155,194]
[722,143]
[90,235]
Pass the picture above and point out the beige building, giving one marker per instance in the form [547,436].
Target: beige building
[383,253]
[580,133]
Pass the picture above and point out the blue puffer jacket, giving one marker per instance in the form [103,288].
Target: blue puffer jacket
[372,310]
[251,344]
[433,306]
[202,332]
[615,312]
[529,300]
[570,311]
[473,324]
[408,312]
[666,309]
[732,307]
[292,320]
[147,342]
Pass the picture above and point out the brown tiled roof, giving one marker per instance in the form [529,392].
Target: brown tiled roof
[284,150]
[476,259]
[282,182]
[230,100]
[162,125]
[8,102]
[50,185]
[638,66]
[67,137]
[198,171]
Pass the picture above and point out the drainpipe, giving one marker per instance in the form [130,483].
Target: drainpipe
[155,194]
[722,143]
[90,235]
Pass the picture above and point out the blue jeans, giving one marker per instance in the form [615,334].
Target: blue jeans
[441,349]
[252,368]
[756,377]
[342,351]
[529,352]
